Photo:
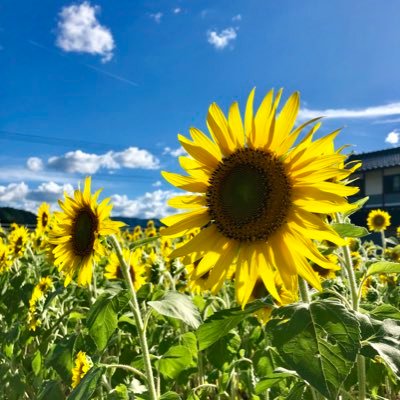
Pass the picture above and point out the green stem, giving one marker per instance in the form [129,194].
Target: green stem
[348,265]
[304,294]
[126,368]
[383,242]
[138,318]
[305,297]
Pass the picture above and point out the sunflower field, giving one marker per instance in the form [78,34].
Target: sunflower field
[260,287]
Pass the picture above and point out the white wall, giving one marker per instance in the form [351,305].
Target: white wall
[373,182]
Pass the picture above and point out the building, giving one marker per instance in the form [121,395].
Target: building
[379,179]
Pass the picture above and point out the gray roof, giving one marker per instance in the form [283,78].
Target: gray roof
[377,159]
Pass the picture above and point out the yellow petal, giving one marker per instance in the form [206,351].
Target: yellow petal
[236,125]
[198,152]
[218,127]
[195,219]
[187,201]
[185,182]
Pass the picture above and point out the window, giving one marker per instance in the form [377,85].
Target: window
[391,184]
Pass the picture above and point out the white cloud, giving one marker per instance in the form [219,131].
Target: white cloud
[14,192]
[49,192]
[180,151]
[85,163]
[348,113]
[21,196]
[222,39]
[157,184]
[150,205]
[34,164]
[156,17]
[80,31]
[133,157]
[177,10]
[237,18]
[392,137]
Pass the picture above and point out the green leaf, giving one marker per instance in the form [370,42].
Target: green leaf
[270,380]
[319,341]
[383,267]
[222,322]
[174,361]
[61,359]
[170,396]
[53,391]
[359,203]
[143,242]
[37,363]
[177,305]
[120,392]
[384,311]
[103,317]
[87,385]
[381,338]
[349,230]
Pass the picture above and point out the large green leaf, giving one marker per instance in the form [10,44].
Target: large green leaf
[61,358]
[383,267]
[381,338]
[349,230]
[174,361]
[222,322]
[177,305]
[103,317]
[384,311]
[52,390]
[319,341]
[87,385]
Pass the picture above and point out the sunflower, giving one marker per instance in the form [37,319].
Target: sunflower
[43,218]
[77,232]
[18,239]
[137,268]
[81,368]
[258,199]
[378,220]
[5,260]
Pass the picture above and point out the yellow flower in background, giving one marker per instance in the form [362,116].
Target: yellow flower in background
[325,273]
[357,259]
[398,231]
[255,196]
[77,232]
[378,220]
[18,240]
[5,258]
[81,368]
[137,268]
[43,218]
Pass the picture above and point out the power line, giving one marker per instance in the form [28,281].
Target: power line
[56,141]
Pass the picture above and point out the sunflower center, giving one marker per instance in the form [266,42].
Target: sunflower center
[379,221]
[45,219]
[83,232]
[249,195]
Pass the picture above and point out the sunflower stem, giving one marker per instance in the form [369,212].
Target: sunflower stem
[383,242]
[138,319]
[348,265]
[305,297]
[304,294]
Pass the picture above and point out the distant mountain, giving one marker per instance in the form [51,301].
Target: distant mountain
[9,215]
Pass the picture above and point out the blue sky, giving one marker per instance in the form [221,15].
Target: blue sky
[103,87]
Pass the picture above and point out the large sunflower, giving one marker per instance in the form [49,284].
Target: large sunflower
[259,199]
[77,232]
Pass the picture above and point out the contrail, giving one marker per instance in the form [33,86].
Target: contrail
[101,71]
